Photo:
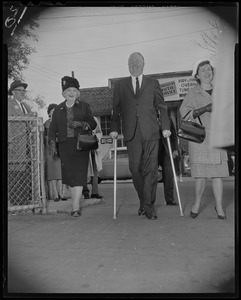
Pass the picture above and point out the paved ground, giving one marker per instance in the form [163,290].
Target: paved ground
[95,253]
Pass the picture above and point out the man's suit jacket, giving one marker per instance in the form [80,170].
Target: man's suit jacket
[143,107]
[15,110]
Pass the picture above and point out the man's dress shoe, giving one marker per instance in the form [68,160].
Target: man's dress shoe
[151,216]
[141,212]
[171,202]
[96,196]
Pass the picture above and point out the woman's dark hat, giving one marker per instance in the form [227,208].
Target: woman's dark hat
[67,82]
[16,84]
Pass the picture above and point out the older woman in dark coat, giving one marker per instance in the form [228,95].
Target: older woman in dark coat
[69,118]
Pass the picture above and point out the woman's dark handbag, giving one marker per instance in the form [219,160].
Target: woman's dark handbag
[87,142]
[191,131]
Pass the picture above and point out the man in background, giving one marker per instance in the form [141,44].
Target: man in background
[19,152]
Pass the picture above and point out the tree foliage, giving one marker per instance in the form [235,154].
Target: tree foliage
[39,101]
[209,40]
[19,50]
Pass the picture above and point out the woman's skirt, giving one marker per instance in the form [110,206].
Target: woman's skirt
[74,163]
[53,167]
[209,171]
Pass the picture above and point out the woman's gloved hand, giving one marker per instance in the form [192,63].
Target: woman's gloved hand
[75,124]
[52,148]
[209,107]
[202,110]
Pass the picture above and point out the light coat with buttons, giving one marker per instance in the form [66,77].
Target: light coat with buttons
[203,153]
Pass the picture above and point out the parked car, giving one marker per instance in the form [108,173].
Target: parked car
[122,165]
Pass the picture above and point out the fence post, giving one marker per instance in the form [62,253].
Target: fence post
[42,178]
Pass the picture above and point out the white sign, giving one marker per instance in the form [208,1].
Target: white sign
[176,88]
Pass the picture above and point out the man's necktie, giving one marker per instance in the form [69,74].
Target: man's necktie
[23,109]
[137,87]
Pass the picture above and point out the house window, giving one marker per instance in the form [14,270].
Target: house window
[105,125]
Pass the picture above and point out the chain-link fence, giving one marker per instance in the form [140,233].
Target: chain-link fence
[26,183]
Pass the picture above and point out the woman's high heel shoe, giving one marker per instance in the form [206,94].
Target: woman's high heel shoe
[56,199]
[220,216]
[193,215]
[76,213]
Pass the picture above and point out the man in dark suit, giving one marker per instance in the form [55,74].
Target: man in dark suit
[165,162]
[136,99]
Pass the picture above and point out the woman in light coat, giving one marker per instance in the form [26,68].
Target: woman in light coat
[205,161]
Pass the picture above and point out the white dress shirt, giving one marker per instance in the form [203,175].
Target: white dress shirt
[133,79]
[22,107]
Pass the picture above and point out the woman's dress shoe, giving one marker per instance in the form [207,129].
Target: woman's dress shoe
[193,215]
[76,213]
[86,195]
[220,216]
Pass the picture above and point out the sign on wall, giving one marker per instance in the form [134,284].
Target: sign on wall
[176,88]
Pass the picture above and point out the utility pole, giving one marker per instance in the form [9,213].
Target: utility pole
[72,73]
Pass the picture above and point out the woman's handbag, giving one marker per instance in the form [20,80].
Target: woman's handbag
[87,142]
[191,131]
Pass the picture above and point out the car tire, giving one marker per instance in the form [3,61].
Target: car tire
[99,180]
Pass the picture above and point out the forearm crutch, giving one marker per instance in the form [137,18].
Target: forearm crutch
[115,154]
[174,175]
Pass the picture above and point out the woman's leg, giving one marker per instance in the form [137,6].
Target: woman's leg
[182,168]
[65,191]
[200,184]
[76,192]
[95,188]
[217,185]
[60,188]
[53,184]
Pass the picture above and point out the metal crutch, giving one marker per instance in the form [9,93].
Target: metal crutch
[115,152]
[174,175]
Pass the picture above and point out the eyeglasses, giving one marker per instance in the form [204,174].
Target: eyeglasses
[17,90]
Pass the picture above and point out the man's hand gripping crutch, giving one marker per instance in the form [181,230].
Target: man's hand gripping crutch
[114,136]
